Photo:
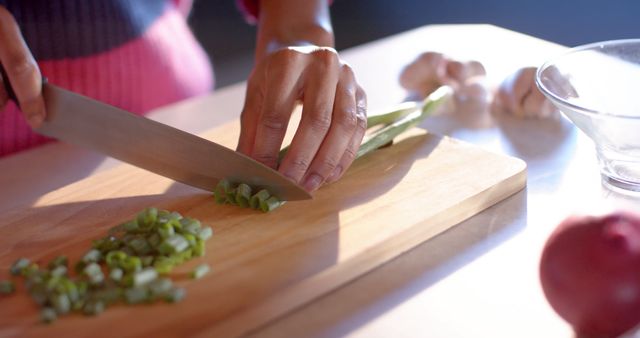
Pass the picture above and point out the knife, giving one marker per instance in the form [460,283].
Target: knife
[153,146]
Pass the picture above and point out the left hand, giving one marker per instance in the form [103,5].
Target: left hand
[518,95]
[333,116]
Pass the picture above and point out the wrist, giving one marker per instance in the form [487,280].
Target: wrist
[316,35]
[279,29]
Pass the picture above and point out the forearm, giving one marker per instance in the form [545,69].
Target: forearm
[293,23]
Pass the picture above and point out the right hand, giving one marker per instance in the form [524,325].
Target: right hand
[22,70]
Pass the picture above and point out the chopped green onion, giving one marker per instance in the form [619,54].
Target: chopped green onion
[173,244]
[185,255]
[70,289]
[38,293]
[160,287]
[146,261]
[33,281]
[116,274]
[175,295]
[19,265]
[108,295]
[144,276]
[61,303]
[52,283]
[165,230]
[128,251]
[107,244]
[200,271]
[94,273]
[79,266]
[31,270]
[270,204]
[78,305]
[93,308]
[155,239]
[243,195]
[199,248]
[140,245]
[163,216]
[221,191]
[175,215]
[259,198]
[48,315]
[136,295]
[163,265]
[190,226]
[92,256]
[131,226]
[131,264]
[115,258]
[205,233]
[231,196]
[191,239]
[147,217]
[7,287]
[59,271]
[58,261]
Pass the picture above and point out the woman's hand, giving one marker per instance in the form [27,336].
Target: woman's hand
[22,71]
[295,62]
[333,119]
[431,70]
[518,95]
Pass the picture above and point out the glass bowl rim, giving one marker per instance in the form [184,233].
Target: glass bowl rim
[572,50]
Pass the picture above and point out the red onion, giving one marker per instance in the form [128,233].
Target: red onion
[590,273]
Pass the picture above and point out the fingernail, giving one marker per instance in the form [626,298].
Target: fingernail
[313,182]
[336,173]
[36,112]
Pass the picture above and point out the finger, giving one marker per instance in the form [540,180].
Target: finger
[280,95]
[251,112]
[462,72]
[522,87]
[343,126]
[456,71]
[475,68]
[423,70]
[535,104]
[472,91]
[4,97]
[319,95]
[513,90]
[354,144]
[21,68]
[504,100]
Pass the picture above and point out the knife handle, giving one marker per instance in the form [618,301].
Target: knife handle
[9,89]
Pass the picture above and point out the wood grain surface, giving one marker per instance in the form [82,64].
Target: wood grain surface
[264,265]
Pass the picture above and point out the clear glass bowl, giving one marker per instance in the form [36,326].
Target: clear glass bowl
[597,86]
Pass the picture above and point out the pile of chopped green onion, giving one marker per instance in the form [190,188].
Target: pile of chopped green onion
[130,265]
[394,122]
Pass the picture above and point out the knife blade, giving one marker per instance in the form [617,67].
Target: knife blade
[154,146]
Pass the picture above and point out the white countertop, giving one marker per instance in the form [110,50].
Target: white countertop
[480,278]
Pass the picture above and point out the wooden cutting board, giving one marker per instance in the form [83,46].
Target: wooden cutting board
[264,265]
